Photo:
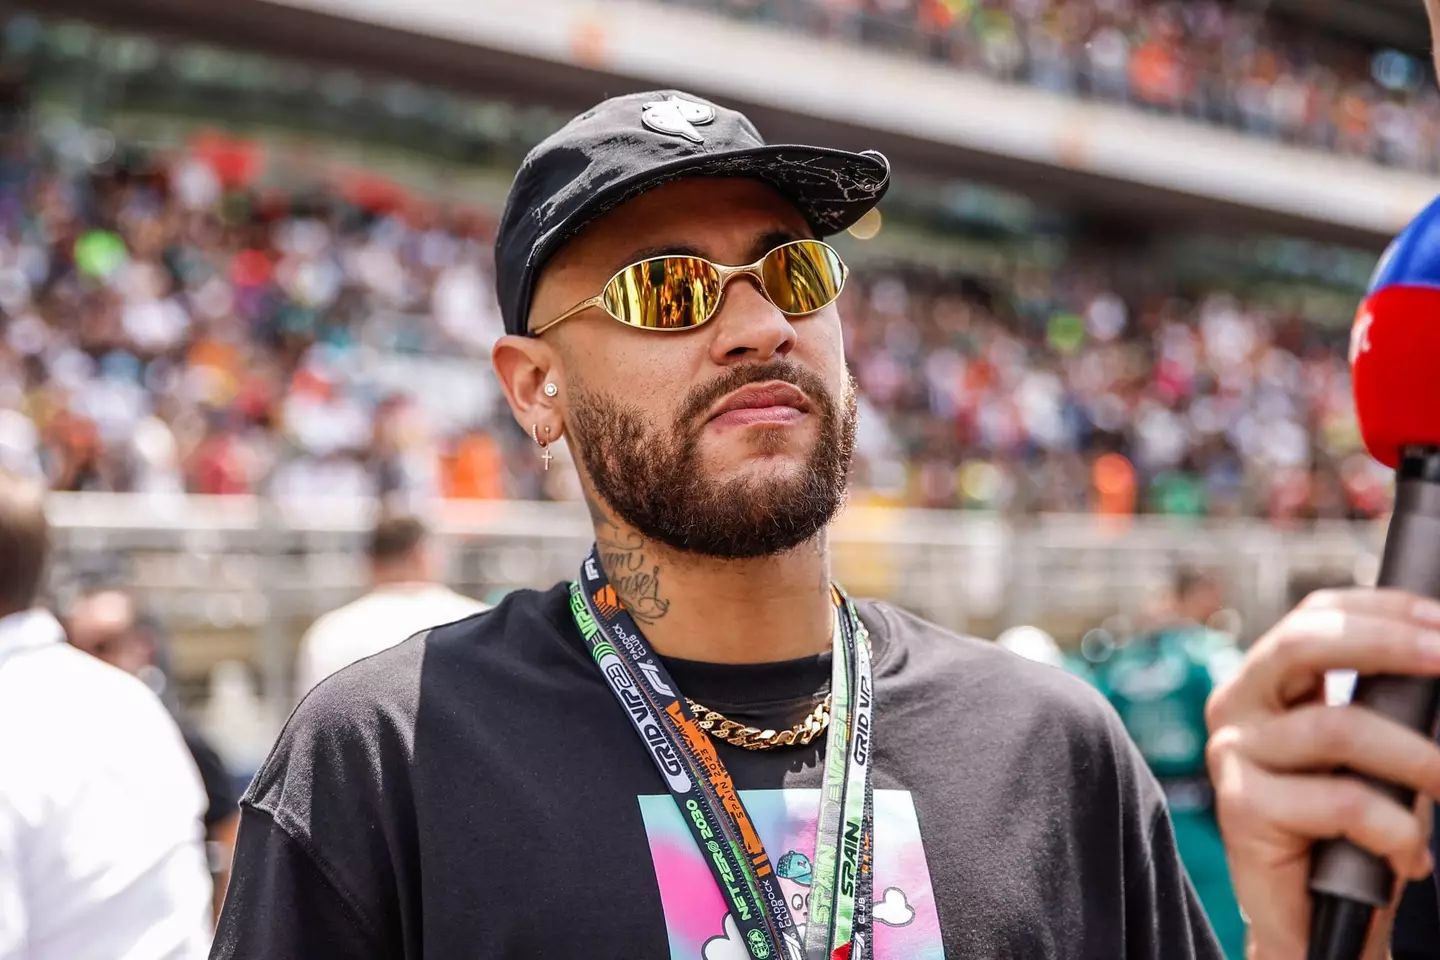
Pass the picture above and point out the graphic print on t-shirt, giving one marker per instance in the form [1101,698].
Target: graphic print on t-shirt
[697,920]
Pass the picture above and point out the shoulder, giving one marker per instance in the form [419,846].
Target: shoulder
[1040,724]
[998,692]
[456,606]
[47,683]
[363,716]
[344,764]
[341,619]
[955,658]
[377,610]
[329,627]
[71,704]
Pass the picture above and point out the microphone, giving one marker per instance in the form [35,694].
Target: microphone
[1395,360]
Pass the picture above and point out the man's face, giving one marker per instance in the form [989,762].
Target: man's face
[646,409]
[1204,601]
[104,626]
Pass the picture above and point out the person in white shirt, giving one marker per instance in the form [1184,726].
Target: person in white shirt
[403,600]
[101,846]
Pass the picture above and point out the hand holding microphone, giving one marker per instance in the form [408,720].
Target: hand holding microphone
[1394,345]
[1290,771]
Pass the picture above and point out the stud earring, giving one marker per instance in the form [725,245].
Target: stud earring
[544,445]
[551,390]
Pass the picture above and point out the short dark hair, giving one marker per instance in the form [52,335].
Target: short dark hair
[24,542]
[395,537]
[1189,579]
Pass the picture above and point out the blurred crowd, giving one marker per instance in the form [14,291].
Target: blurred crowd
[165,331]
[1063,397]
[1222,62]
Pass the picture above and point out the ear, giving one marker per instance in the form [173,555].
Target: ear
[525,366]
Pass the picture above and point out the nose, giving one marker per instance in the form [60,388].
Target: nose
[749,327]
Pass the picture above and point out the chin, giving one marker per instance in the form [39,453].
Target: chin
[765,454]
[765,442]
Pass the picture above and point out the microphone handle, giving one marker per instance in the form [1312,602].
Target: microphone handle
[1349,883]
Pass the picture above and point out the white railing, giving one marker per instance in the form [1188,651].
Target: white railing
[970,571]
[238,579]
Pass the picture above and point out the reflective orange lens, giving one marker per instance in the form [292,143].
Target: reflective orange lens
[803,276]
[673,293]
[667,293]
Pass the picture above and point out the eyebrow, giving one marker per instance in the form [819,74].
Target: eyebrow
[763,244]
[664,250]
[770,240]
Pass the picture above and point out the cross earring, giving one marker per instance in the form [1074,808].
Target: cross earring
[544,445]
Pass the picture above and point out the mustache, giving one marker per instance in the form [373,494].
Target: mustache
[698,401]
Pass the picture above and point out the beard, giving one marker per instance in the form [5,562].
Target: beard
[655,479]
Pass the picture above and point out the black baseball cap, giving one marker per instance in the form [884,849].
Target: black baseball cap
[628,145]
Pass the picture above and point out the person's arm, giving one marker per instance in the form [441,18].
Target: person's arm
[1163,917]
[328,825]
[285,904]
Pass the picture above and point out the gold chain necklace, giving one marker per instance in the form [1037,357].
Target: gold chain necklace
[753,738]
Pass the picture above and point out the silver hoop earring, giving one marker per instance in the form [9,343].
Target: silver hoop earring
[551,390]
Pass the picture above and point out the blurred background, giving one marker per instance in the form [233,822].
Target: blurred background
[1100,324]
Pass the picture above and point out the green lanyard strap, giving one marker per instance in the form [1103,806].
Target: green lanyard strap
[840,899]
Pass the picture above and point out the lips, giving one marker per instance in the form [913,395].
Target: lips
[773,402]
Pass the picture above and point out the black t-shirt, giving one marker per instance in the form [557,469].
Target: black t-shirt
[476,792]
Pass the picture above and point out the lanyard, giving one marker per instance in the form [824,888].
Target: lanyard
[841,893]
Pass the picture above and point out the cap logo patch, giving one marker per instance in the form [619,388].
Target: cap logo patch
[677,117]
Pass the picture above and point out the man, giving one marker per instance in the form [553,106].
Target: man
[403,599]
[700,749]
[100,848]
[1159,683]
[106,625]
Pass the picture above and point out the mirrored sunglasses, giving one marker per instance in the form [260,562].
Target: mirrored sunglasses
[680,292]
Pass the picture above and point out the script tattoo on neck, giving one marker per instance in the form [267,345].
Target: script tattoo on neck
[634,576]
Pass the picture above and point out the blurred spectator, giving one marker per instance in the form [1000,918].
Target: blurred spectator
[1218,61]
[106,625]
[403,600]
[101,853]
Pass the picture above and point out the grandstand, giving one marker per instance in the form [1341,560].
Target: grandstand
[246,258]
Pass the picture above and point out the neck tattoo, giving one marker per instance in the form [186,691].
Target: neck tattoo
[635,577]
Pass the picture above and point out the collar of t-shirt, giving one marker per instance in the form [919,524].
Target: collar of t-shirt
[757,687]
[759,693]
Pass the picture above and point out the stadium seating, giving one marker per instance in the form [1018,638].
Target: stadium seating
[1215,61]
[165,331]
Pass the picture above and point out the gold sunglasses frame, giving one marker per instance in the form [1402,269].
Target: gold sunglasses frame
[726,275]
